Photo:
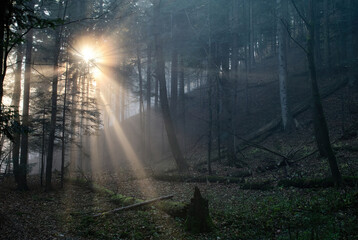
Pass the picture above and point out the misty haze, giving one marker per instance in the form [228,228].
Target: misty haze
[179,119]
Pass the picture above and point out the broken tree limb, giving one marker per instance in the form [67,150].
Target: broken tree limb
[134,205]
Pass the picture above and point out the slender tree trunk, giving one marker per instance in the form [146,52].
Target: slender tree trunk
[287,120]
[149,98]
[16,103]
[227,106]
[156,93]
[160,75]
[234,73]
[210,69]
[141,103]
[63,150]
[25,114]
[251,36]
[74,105]
[5,6]
[218,102]
[182,88]
[174,83]
[327,47]
[350,43]
[51,140]
[43,147]
[320,124]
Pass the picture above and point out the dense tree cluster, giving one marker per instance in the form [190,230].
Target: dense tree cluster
[160,50]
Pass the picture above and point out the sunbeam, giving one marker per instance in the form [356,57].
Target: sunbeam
[133,160]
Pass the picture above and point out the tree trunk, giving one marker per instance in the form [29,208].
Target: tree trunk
[319,120]
[251,36]
[25,114]
[327,47]
[182,89]
[210,70]
[149,98]
[51,140]
[350,43]
[227,96]
[64,128]
[16,103]
[4,43]
[174,83]
[287,120]
[73,155]
[141,103]
[43,147]
[160,75]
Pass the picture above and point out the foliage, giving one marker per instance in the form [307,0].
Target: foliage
[8,123]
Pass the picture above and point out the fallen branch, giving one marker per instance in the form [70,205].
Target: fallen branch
[255,145]
[300,108]
[134,205]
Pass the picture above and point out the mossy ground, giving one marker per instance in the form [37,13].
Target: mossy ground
[278,213]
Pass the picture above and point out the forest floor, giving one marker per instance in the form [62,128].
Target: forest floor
[256,207]
[262,200]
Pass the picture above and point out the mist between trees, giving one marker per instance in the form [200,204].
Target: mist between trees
[94,85]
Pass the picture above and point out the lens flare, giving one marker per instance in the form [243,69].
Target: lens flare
[88,53]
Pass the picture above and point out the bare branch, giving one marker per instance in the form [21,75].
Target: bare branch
[293,39]
[300,14]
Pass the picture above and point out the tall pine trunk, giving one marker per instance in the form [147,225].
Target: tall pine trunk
[282,66]
[16,103]
[174,83]
[51,139]
[319,119]
[149,98]
[160,75]
[25,114]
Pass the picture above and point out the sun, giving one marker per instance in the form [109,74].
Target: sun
[88,53]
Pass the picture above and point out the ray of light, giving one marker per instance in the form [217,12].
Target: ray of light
[129,152]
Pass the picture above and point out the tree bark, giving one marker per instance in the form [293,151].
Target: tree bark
[64,128]
[141,103]
[25,114]
[319,119]
[210,69]
[149,98]
[4,43]
[227,96]
[51,140]
[327,47]
[160,75]
[16,103]
[174,83]
[287,120]
[251,36]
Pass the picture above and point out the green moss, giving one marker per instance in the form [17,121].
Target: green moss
[124,200]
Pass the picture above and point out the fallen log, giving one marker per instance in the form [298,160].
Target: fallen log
[134,205]
[300,108]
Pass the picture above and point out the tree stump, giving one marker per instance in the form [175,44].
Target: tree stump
[198,218]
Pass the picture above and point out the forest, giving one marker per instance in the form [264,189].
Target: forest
[179,119]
